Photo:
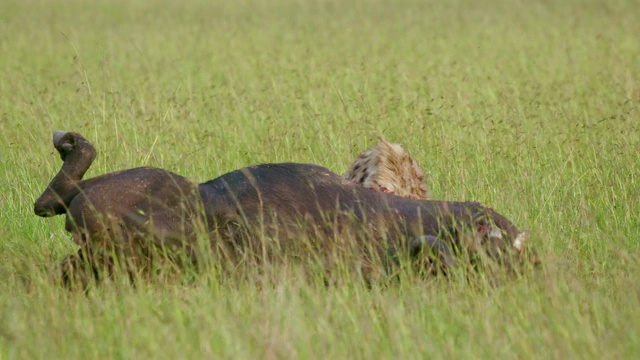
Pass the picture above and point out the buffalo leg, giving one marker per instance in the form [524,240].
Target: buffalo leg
[429,250]
[77,270]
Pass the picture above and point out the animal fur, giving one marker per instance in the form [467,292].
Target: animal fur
[387,167]
[259,212]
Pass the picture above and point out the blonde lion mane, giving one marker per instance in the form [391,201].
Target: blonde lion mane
[388,167]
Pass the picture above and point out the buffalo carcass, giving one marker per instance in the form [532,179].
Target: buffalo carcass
[259,213]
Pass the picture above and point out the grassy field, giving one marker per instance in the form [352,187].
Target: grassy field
[529,107]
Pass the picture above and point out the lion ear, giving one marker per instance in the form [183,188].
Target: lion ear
[518,243]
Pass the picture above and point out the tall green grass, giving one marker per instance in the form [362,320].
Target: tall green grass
[529,107]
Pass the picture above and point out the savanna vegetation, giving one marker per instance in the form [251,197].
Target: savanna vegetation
[531,108]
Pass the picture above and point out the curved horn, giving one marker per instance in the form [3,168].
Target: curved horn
[518,243]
